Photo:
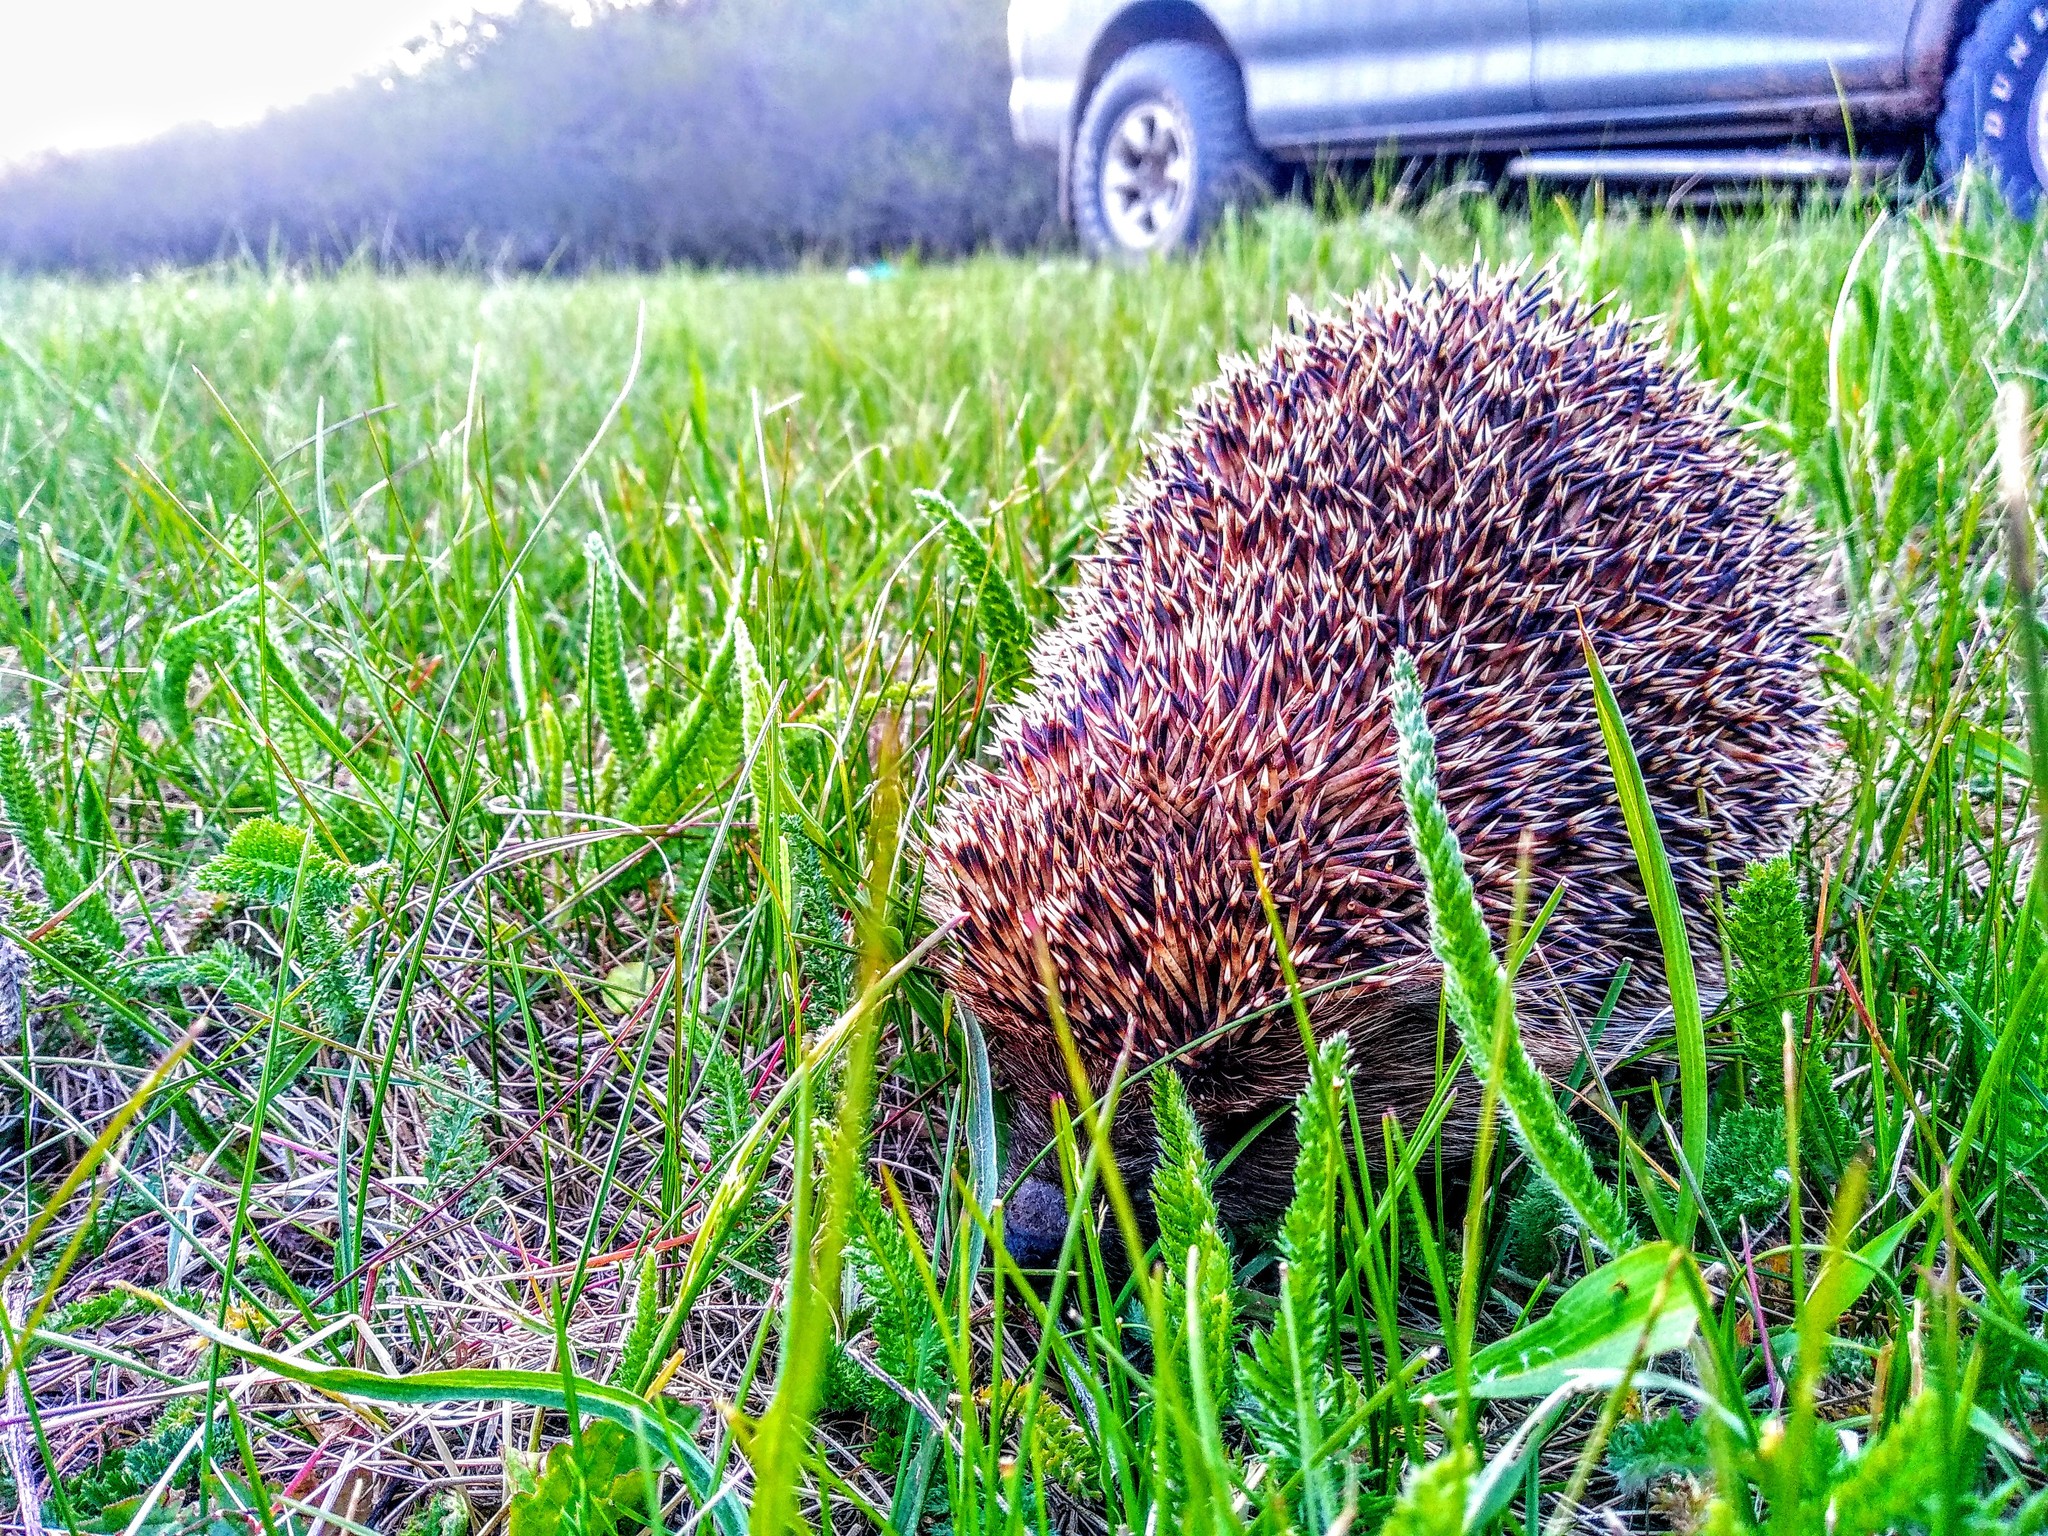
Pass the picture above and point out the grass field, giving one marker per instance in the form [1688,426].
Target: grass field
[396,1143]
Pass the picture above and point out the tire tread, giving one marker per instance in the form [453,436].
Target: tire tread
[1955,130]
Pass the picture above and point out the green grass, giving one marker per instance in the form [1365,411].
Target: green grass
[498,1122]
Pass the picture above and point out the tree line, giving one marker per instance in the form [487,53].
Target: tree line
[704,131]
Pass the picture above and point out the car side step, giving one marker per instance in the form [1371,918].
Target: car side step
[1742,167]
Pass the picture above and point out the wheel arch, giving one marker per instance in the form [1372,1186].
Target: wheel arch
[1149,21]
[1939,30]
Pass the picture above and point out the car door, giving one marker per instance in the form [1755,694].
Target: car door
[1700,55]
[1341,72]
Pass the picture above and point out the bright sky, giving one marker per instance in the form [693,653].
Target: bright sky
[79,74]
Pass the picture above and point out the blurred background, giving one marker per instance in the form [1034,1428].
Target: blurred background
[566,135]
[535,136]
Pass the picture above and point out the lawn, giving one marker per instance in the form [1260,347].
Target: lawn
[396,1139]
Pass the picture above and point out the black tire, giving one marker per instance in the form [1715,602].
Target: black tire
[1991,111]
[1199,90]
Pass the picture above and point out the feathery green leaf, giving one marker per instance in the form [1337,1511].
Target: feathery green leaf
[1746,1178]
[825,956]
[1889,1484]
[1432,1501]
[693,753]
[28,818]
[458,1100]
[757,727]
[1184,1205]
[639,1341]
[266,861]
[1292,1394]
[998,615]
[605,656]
[214,635]
[1769,942]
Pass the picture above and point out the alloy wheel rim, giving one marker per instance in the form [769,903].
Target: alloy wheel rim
[1148,173]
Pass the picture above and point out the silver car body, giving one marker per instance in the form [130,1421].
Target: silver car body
[1346,76]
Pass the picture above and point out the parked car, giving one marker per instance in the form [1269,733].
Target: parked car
[1164,111]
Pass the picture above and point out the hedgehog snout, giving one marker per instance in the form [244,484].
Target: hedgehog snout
[1035,1223]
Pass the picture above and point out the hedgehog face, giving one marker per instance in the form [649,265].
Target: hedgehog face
[1035,1212]
[1242,1088]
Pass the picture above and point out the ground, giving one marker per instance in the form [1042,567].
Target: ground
[354,613]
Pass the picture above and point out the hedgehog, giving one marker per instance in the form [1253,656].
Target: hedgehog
[1488,472]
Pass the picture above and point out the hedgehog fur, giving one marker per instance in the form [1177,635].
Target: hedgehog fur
[1471,466]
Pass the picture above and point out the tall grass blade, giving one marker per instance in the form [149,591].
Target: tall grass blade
[1476,986]
[819,1230]
[2016,492]
[1688,1025]
[648,1422]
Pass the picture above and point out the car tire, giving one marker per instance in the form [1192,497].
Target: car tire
[1995,108]
[1162,149]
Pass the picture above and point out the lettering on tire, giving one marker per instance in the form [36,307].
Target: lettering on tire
[2017,51]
